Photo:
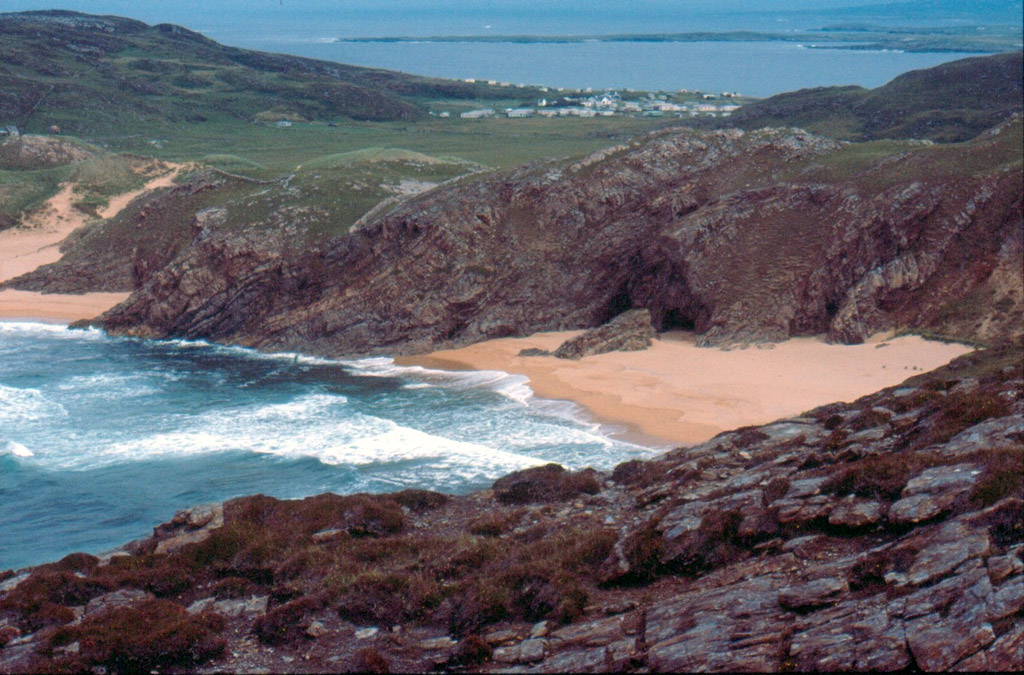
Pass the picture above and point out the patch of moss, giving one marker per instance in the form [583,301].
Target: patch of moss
[548,483]
[41,599]
[387,598]
[496,523]
[285,624]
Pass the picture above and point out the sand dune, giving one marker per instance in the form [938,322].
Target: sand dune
[37,242]
[677,393]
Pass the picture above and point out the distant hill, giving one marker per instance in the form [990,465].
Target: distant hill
[951,102]
[93,74]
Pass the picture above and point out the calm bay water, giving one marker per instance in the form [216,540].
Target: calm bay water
[750,68]
[102,438]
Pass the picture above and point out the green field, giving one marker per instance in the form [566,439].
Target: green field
[263,150]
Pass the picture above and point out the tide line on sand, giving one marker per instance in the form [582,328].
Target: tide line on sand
[679,393]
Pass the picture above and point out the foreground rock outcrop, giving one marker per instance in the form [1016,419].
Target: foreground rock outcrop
[883,534]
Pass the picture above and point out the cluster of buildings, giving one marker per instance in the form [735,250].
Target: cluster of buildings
[611,103]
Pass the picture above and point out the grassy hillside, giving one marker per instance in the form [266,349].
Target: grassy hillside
[96,74]
[951,102]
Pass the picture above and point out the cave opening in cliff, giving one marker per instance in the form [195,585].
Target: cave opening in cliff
[676,319]
[620,302]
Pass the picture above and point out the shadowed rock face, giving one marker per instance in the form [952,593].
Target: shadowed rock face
[742,236]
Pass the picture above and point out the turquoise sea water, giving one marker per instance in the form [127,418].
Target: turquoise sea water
[102,438]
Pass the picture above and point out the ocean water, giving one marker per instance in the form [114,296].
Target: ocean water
[102,438]
[758,69]
[311,27]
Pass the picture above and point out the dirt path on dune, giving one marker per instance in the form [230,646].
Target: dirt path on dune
[117,204]
[37,242]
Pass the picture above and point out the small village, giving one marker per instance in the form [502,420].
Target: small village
[587,103]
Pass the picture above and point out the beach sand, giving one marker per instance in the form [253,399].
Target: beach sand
[676,393]
[37,242]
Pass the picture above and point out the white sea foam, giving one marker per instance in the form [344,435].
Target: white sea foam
[15,449]
[306,428]
[111,385]
[513,387]
[27,405]
[50,330]
[404,444]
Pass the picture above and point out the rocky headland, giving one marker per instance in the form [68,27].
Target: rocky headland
[741,236]
[884,534]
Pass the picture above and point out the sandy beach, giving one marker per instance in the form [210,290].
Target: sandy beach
[37,242]
[678,394]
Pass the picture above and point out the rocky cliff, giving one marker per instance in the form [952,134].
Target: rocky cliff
[885,534]
[741,236]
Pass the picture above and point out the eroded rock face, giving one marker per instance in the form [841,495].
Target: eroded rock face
[741,236]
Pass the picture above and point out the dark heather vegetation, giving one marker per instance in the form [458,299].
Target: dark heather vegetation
[781,531]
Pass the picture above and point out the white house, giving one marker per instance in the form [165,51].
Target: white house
[477,114]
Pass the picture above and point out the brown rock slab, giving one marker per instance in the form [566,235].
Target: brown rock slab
[938,644]
[853,635]
[856,513]
[628,332]
[815,593]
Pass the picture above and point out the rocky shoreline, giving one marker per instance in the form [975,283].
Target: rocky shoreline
[881,534]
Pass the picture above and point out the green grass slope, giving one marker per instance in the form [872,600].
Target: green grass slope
[93,75]
[951,102]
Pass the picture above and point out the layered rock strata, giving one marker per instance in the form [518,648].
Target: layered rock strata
[741,236]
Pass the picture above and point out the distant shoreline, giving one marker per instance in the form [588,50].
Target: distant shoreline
[999,40]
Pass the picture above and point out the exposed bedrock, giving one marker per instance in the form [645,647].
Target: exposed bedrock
[741,236]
